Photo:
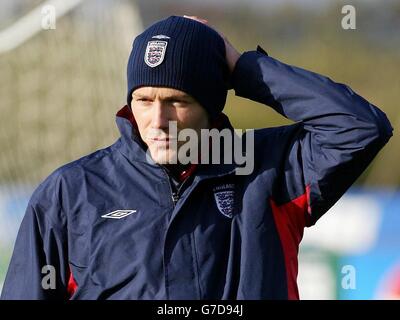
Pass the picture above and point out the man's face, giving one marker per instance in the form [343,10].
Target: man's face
[153,109]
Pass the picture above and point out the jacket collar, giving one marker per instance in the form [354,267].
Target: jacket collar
[134,149]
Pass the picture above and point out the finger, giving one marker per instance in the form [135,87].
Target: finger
[204,21]
[196,18]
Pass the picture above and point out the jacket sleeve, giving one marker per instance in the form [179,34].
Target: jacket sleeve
[339,132]
[39,267]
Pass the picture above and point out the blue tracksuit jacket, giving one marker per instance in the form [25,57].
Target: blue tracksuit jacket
[185,246]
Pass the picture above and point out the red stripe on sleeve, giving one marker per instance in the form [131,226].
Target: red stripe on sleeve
[290,220]
[72,285]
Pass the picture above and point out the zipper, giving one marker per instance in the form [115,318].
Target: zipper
[177,195]
[174,195]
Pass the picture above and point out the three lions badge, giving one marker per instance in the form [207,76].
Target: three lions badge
[224,197]
[155,51]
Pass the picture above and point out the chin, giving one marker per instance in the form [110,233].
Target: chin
[163,156]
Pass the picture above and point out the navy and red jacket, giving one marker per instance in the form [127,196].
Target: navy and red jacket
[181,245]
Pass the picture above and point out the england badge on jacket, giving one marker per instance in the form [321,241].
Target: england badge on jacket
[224,197]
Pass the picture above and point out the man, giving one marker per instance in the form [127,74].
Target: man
[126,222]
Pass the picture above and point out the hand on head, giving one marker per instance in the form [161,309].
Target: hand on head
[232,55]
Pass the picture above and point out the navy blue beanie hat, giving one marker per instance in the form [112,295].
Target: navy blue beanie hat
[183,54]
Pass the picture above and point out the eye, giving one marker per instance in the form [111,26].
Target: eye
[143,101]
[178,103]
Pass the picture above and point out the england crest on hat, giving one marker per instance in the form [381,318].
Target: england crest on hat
[155,52]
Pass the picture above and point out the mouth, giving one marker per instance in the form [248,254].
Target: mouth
[161,141]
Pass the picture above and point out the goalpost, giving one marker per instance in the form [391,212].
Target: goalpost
[60,89]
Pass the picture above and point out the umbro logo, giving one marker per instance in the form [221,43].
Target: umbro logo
[161,36]
[118,214]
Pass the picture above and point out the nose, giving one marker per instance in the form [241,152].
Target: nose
[160,116]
